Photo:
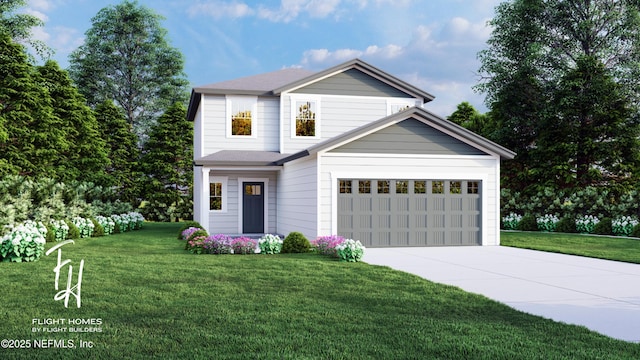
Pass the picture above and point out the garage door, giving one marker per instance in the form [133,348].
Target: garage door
[383,213]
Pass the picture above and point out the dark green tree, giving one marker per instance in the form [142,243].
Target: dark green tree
[123,170]
[468,117]
[31,136]
[85,157]
[167,164]
[127,59]
[19,25]
[535,48]
[591,128]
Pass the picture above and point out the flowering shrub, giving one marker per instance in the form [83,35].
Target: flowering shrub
[23,243]
[128,221]
[135,220]
[350,250]
[547,222]
[326,245]
[623,226]
[196,245]
[184,235]
[107,224]
[85,226]
[60,230]
[270,244]
[243,245]
[217,244]
[510,222]
[586,224]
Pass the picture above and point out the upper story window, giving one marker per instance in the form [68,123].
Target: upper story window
[305,115]
[242,116]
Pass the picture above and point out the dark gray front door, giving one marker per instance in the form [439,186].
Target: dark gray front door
[253,207]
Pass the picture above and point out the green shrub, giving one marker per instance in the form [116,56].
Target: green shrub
[295,242]
[98,230]
[528,223]
[74,232]
[566,225]
[197,234]
[604,227]
[187,225]
[51,233]
[636,231]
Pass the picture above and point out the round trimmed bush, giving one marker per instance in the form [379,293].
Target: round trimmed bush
[566,225]
[74,232]
[295,242]
[187,225]
[528,223]
[604,227]
[98,230]
[636,231]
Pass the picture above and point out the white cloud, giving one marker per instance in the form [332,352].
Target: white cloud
[292,9]
[221,9]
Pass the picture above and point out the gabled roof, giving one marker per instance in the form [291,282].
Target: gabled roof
[365,68]
[276,82]
[417,113]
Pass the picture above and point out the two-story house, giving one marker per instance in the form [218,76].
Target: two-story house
[349,150]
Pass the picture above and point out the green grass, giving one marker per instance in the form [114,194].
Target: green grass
[156,300]
[602,247]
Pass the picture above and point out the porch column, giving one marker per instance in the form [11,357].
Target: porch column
[201,196]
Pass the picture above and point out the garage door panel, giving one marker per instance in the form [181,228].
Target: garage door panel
[383,213]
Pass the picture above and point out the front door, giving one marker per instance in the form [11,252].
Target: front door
[253,208]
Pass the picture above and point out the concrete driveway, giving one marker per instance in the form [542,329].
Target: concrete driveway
[602,295]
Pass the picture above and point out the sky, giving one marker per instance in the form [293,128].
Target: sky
[432,44]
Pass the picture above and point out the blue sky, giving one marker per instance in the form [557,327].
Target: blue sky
[432,44]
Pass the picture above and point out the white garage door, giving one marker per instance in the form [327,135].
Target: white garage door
[386,213]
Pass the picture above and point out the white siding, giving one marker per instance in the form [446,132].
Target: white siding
[215,122]
[297,198]
[339,114]
[373,166]
[228,222]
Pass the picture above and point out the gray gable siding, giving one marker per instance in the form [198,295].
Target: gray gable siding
[352,83]
[409,137]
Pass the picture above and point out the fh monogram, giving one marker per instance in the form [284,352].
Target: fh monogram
[70,290]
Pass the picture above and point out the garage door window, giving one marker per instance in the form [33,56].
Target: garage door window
[419,187]
[364,186]
[402,187]
[383,186]
[455,187]
[437,187]
[345,186]
[473,187]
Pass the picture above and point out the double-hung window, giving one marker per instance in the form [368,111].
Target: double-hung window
[218,193]
[242,116]
[305,117]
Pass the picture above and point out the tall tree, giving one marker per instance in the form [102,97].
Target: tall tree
[536,48]
[123,170]
[127,59]
[31,136]
[19,25]
[167,163]
[85,159]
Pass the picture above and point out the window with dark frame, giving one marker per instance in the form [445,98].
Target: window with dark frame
[473,187]
[455,187]
[419,187]
[402,187]
[437,187]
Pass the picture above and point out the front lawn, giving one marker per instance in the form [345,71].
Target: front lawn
[152,299]
[603,247]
